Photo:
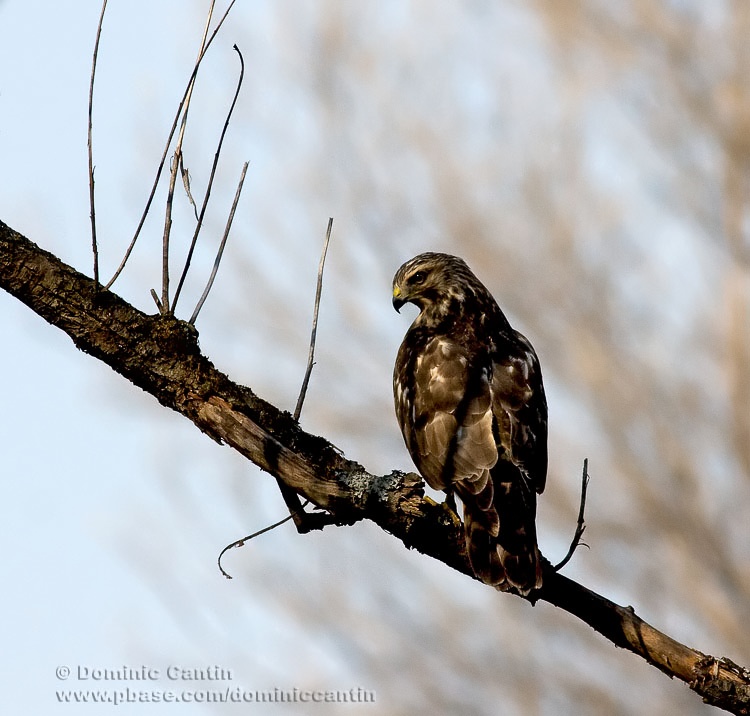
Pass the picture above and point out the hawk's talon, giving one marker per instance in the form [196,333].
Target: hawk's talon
[449,507]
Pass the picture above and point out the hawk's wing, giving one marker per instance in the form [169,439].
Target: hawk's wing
[520,408]
[509,556]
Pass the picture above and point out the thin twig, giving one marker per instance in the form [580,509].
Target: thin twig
[290,497]
[303,521]
[220,252]
[580,525]
[94,246]
[313,521]
[155,296]
[207,195]
[313,333]
[174,170]
[185,174]
[163,160]
[241,542]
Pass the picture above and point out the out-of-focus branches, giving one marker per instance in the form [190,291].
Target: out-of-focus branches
[737,211]
[582,173]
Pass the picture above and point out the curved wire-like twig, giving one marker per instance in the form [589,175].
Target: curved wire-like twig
[241,542]
[580,524]
[163,160]
[94,246]
[207,195]
[220,252]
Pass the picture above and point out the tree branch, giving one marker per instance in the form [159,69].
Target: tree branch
[160,354]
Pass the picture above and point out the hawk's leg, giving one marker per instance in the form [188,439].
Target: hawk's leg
[449,505]
[450,499]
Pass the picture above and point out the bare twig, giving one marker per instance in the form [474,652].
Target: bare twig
[290,497]
[175,168]
[94,246]
[314,331]
[220,252]
[163,160]
[155,296]
[207,195]
[580,524]
[185,174]
[313,521]
[241,542]
[303,521]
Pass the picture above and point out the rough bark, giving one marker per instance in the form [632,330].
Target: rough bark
[161,355]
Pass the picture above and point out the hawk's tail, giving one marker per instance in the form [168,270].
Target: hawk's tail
[501,538]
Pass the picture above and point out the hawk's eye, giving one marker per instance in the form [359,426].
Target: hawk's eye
[418,278]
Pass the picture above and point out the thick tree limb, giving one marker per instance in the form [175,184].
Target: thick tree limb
[161,355]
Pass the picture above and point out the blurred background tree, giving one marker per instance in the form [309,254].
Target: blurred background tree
[591,162]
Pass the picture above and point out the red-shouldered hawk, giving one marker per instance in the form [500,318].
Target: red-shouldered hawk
[471,405]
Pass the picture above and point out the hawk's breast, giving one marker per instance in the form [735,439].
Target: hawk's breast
[446,412]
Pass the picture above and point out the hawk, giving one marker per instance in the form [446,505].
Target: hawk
[471,406]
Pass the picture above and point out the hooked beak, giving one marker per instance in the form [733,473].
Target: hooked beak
[397,301]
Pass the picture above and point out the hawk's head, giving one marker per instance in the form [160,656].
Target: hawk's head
[433,280]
